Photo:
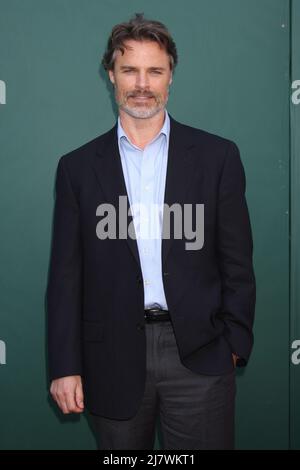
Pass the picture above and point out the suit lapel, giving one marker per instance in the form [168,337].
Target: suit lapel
[180,172]
[109,171]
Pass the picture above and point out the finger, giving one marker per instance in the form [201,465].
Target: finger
[55,397]
[79,397]
[70,402]
[61,401]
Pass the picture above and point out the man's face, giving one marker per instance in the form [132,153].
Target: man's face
[141,78]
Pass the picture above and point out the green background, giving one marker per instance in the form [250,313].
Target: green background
[236,62]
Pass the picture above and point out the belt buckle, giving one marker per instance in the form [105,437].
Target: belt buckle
[154,309]
[154,316]
[151,312]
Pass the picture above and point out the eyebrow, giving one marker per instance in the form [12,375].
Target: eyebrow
[122,67]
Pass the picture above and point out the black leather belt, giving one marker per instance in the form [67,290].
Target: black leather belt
[156,314]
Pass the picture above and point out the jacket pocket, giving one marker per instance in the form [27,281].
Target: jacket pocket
[93,331]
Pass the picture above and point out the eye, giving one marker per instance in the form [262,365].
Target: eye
[156,72]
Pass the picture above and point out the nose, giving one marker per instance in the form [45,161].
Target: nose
[142,80]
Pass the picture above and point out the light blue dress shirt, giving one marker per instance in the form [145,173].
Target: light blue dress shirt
[145,176]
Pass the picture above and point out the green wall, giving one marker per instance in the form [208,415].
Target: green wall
[233,79]
[295,228]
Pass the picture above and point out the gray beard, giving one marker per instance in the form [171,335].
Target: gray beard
[142,113]
[145,113]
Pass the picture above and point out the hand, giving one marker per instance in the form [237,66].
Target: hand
[235,358]
[68,394]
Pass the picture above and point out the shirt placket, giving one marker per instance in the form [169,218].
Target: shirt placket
[146,220]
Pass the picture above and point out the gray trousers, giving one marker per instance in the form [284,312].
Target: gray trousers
[195,411]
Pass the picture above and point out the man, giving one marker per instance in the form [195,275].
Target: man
[147,326]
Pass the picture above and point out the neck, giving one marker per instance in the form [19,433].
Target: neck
[142,131]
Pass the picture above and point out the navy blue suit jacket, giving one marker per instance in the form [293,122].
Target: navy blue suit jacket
[95,297]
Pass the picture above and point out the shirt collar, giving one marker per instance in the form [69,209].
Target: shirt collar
[164,130]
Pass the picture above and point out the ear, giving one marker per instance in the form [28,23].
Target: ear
[111,76]
[171,78]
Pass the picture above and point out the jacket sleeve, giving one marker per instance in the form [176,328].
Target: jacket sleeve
[235,248]
[63,296]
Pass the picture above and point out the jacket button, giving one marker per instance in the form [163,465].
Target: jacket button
[166,274]
[139,279]
[140,326]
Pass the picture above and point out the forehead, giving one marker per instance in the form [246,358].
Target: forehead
[146,52]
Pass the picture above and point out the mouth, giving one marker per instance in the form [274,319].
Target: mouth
[141,98]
